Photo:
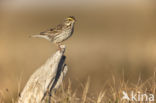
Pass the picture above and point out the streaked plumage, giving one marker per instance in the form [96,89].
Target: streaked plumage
[60,33]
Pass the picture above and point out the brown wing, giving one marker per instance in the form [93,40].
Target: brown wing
[53,31]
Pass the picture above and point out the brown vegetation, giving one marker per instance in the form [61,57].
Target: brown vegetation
[108,40]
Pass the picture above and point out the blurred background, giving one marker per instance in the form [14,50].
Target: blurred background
[111,38]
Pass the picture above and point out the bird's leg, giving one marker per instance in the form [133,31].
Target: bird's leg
[58,44]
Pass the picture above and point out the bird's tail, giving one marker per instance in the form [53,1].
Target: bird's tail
[36,36]
[40,36]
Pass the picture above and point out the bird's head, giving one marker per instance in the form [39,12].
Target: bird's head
[70,20]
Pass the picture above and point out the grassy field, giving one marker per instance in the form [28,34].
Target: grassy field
[113,45]
[111,93]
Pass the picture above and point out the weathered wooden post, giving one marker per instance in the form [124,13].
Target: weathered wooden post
[45,79]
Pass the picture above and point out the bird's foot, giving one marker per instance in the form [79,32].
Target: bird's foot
[61,48]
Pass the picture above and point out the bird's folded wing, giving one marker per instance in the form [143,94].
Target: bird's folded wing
[52,32]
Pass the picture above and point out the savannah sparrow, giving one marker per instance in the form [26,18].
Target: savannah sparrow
[60,33]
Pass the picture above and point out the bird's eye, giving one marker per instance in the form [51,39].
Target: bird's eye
[70,19]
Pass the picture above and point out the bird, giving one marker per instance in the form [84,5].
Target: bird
[59,33]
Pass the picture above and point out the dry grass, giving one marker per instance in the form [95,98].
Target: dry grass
[111,94]
[121,38]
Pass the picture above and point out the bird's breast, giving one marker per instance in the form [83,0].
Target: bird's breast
[63,36]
